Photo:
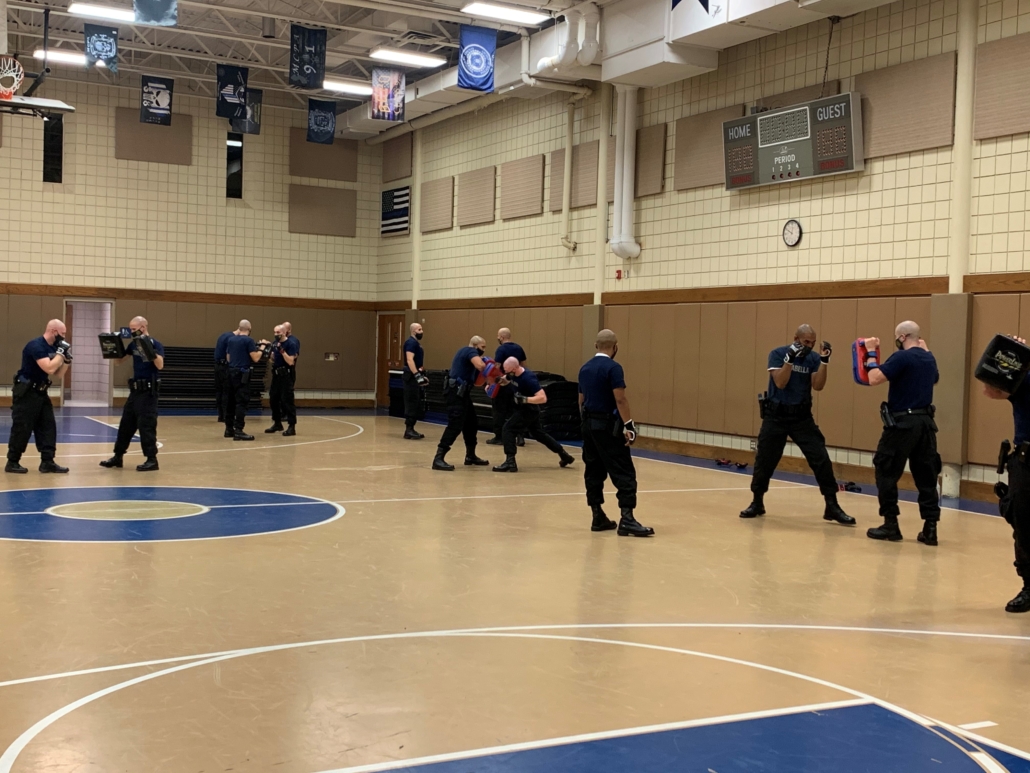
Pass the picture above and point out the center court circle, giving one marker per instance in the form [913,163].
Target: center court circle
[155,513]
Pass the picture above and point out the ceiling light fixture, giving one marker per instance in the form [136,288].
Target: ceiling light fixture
[348,87]
[102,12]
[234,143]
[59,56]
[410,58]
[505,13]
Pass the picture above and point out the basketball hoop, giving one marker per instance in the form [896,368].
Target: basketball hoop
[11,76]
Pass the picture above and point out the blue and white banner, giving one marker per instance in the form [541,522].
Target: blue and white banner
[396,212]
[307,57]
[476,59]
[232,92]
[387,103]
[251,122]
[321,121]
[155,105]
[157,13]
[101,46]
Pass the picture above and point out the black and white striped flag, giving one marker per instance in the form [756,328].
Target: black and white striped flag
[396,212]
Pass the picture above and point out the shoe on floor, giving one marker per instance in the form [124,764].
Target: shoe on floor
[52,467]
[410,434]
[274,428]
[114,461]
[495,441]
[1021,603]
[566,459]
[890,531]
[753,510]
[15,468]
[520,441]
[928,536]
[439,463]
[508,465]
[834,512]
[475,461]
[242,436]
[630,527]
[229,433]
[290,431]
[148,466]
[601,521]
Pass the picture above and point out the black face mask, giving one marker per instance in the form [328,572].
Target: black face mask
[418,336]
[900,343]
[58,339]
[481,351]
[614,352]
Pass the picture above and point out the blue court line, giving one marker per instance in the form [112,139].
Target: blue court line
[71,429]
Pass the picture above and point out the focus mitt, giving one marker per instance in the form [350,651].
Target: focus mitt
[863,360]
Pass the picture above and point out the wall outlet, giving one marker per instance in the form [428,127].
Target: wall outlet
[754,445]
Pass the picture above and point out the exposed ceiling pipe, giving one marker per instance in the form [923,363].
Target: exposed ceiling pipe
[546,83]
[568,45]
[624,244]
[566,191]
[589,22]
[440,115]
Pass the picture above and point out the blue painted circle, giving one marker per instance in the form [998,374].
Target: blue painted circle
[232,513]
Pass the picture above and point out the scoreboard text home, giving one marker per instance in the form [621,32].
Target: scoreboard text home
[813,139]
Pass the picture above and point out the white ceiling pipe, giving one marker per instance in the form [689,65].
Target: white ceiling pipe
[589,22]
[626,245]
[568,45]
[546,83]
[566,191]
[620,170]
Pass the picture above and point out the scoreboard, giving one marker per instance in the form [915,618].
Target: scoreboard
[813,139]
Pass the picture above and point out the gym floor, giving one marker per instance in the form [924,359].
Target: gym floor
[329,603]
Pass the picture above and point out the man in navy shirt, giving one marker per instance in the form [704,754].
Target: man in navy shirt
[525,418]
[461,413]
[794,371]
[1015,504]
[414,379]
[221,374]
[608,432]
[140,411]
[503,403]
[285,349]
[242,352]
[909,433]
[42,359]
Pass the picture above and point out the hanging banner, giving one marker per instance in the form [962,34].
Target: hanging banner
[155,105]
[307,57]
[232,92]
[387,103]
[158,13]
[251,122]
[476,58]
[101,46]
[321,121]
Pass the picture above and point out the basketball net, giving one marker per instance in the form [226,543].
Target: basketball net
[11,76]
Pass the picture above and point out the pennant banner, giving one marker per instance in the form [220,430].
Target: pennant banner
[321,121]
[101,46]
[251,122]
[232,92]
[387,103]
[307,57]
[476,59]
[159,13]
[156,100]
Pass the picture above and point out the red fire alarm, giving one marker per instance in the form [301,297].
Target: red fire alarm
[618,273]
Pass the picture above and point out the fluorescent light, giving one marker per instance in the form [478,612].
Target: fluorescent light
[102,12]
[60,56]
[505,13]
[348,87]
[412,58]
[234,143]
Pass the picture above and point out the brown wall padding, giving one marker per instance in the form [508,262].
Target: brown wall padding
[135,141]
[584,176]
[437,205]
[990,421]
[323,211]
[397,158]
[338,161]
[711,414]
[908,107]
[699,156]
[476,196]
[741,321]
[797,96]
[650,166]
[1002,87]
[952,321]
[522,187]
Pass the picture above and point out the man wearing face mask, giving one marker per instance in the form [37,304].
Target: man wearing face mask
[461,413]
[794,371]
[503,403]
[285,349]
[42,359]
[909,431]
[525,418]
[414,379]
[608,432]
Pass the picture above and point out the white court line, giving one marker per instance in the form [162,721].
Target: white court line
[523,496]
[568,740]
[977,725]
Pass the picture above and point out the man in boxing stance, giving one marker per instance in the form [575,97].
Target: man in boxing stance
[525,417]
[461,413]
[794,371]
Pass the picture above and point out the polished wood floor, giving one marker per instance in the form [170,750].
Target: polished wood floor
[446,612]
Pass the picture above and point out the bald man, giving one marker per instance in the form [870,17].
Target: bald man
[43,360]
[140,411]
[794,371]
[461,413]
[503,403]
[242,352]
[414,379]
[525,416]
[909,433]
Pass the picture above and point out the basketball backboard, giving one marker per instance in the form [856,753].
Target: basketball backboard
[34,106]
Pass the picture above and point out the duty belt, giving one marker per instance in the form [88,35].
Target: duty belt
[782,410]
[37,386]
[221,362]
[142,385]
[914,412]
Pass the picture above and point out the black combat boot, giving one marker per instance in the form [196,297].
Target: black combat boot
[507,466]
[148,466]
[114,461]
[889,531]
[290,431]
[928,536]
[51,466]
[277,427]
[439,463]
[1021,603]
[241,435]
[753,510]
[833,512]
[473,460]
[14,467]
[495,441]
[411,434]
[566,459]
[229,433]
[601,521]
[520,441]
[629,526]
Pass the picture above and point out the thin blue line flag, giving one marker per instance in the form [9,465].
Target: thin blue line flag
[476,58]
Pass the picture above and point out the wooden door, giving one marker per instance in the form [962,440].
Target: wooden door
[391,339]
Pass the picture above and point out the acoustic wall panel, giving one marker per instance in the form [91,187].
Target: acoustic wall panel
[1002,87]
[699,157]
[584,176]
[476,196]
[397,158]
[650,167]
[437,205]
[522,187]
[135,141]
[338,161]
[323,211]
[908,107]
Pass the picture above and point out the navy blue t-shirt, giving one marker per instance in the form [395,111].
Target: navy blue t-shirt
[462,367]
[527,384]
[223,339]
[412,345]
[238,349]
[1020,400]
[291,346]
[36,349]
[597,378]
[912,374]
[141,369]
[799,387]
[509,349]
[296,342]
